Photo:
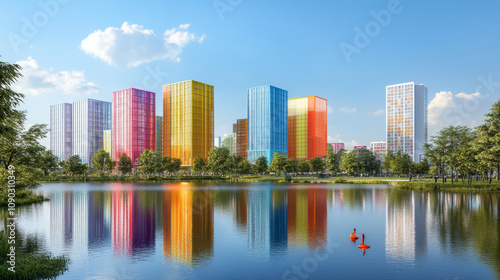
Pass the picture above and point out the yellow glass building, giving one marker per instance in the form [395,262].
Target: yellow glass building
[107,141]
[188,120]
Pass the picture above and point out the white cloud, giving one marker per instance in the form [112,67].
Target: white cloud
[348,110]
[37,80]
[377,113]
[132,44]
[330,109]
[468,96]
[349,145]
[446,109]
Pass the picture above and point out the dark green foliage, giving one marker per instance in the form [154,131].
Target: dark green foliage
[124,164]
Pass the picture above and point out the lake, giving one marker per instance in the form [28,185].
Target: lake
[263,231]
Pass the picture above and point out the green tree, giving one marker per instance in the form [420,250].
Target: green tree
[349,163]
[235,163]
[317,164]
[48,162]
[488,141]
[244,167]
[219,160]
[74,166]
[124,164]
[199,165]
[333,161]
[9,99]
[367,161]
[303,166]
[102,162]
[388,161]
[278,163]
[150,162]
[291,166]
[261,165]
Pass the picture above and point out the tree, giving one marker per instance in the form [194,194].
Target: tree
[291,166]
[244,167]
[333,161]
[48,162]
[278,163]
[234,164]
[317,164]
[124,164]
[199,164]
[348,163]
[261,164]
[102,162]
[150,162]
[9,99]
[303,166]
[389,158]
[367,161]
[488,141]
[219,161]
[74,166]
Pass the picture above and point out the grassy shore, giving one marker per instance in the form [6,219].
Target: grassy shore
[457,186]
[23,197]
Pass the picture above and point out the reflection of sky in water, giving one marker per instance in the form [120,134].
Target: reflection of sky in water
[184,231]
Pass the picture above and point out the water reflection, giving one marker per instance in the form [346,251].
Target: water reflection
[178,221]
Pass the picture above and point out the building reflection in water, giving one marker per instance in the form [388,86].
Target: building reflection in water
[133,222]
[188,225]
[240,206]
[307,217]
[406,226]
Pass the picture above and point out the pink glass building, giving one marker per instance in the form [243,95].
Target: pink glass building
[133,123]
[337,146]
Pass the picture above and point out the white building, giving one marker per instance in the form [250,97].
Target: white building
[406,118]
[217,141]
[378,149]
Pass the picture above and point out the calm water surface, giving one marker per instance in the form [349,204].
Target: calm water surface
[264,231]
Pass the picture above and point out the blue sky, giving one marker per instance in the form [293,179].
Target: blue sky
[73,50]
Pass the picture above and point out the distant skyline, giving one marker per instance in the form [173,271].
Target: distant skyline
[344,51]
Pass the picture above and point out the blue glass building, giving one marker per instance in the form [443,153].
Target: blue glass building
[90,119]
[267,122]
[60,130]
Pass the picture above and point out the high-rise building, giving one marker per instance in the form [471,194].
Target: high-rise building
[406,118]
[188,120]
[107,141]
[229,141]
[267,122]
[337,146]
[241,137]
[218,141]
[159,135]
[133,123]
[60,130]
[378,149]
[307,127]
[90,118]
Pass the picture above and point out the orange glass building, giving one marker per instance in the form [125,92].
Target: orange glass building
[188,120]
[307,127]
[241,130]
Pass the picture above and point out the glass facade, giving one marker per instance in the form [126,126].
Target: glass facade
[188,120]
[229,141]
[107,141]
[406,118]
[267,122]
[60,130]
[217,141]
[159,135]
[133,123]
[337,146]
[90,119]
[307,127]
[241,137]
